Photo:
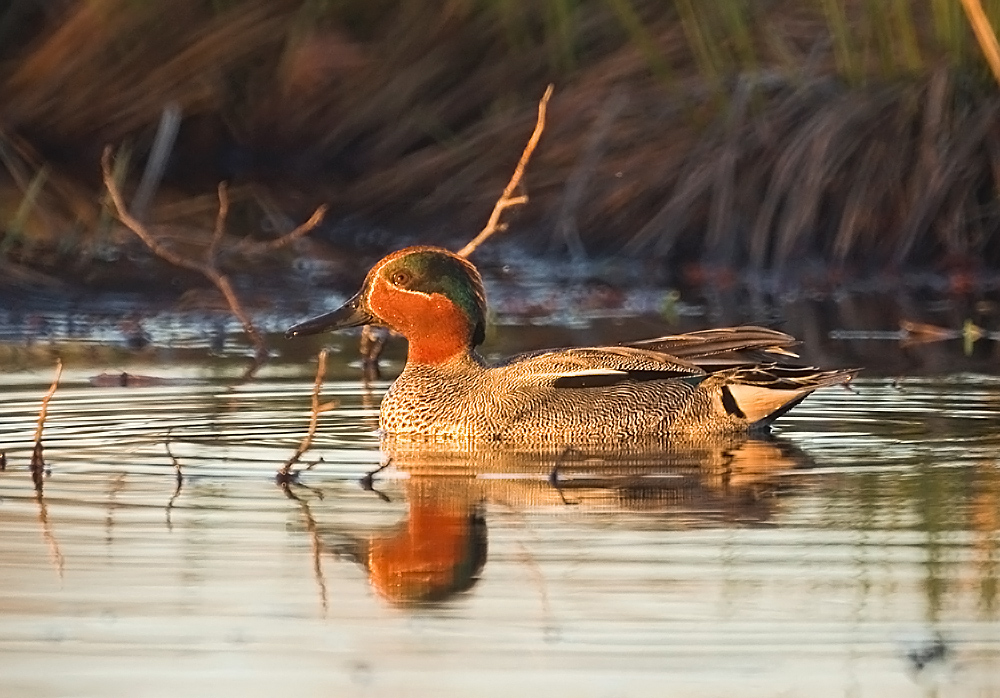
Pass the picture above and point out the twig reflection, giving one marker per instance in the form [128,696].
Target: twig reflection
[549,626]
[109,522]
[368,482]
[50,539]
[986,524]
[179,480]
[316,543]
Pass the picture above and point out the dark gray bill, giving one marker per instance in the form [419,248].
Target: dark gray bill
[350,314]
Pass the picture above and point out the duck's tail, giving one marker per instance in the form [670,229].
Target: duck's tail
[761,394]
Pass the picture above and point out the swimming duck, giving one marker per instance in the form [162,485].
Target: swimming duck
[707,382]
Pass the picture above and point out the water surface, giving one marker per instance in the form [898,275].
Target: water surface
[854,554]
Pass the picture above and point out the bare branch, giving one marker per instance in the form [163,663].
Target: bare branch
[37,459]
[984,34]
[373,340]
[506,200]
[208,270]
[225,288]
[220,224]
[288,238]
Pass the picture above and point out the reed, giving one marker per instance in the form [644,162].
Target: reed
[18,224]
[703,45]
[641,38]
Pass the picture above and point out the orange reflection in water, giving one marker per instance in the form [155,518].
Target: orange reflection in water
[438,550]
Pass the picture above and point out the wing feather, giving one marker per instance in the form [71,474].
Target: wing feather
[597,367]
[722,345]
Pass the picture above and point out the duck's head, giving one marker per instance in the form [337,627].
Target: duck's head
[429,295]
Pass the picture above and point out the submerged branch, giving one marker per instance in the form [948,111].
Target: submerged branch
[507,199]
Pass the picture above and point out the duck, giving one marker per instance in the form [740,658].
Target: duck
[706,382]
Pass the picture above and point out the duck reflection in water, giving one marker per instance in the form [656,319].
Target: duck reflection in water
[438,551]
[440,548]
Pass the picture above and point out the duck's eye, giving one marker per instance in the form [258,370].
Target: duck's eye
[400,278]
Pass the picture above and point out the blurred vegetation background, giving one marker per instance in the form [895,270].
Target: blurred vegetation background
[862,134]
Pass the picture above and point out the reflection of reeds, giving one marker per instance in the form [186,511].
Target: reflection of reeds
[749,130]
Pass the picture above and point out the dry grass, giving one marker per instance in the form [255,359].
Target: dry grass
[858,132]
[895,174]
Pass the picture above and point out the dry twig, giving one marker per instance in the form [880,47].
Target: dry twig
[372,344]
[251,247]
[37,459]
[207,268]
[38,474]
[285,474]
[220,224]
[506,199]
[984,34]
[373,340]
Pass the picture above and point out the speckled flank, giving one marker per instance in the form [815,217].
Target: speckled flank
[467,400]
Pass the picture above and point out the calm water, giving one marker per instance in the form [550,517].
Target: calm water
[855,554]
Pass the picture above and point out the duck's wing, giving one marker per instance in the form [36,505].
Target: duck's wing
[592,367]
[723,347]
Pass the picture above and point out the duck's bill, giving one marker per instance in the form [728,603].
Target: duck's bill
[350,314]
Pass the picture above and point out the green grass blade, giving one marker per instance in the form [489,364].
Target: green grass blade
[640,37]
[836,20]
